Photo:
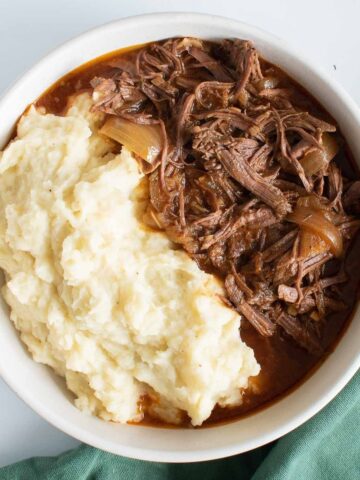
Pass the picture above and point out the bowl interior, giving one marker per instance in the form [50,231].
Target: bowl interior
[45,392]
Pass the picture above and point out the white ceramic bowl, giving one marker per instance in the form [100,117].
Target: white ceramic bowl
[45,393]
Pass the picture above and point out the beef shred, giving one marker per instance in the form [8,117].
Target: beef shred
[236,132]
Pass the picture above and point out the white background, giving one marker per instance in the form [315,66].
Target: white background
[326,31]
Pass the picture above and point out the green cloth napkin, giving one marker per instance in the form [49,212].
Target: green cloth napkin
[326,447]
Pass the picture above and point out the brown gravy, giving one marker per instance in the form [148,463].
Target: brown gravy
[284,364]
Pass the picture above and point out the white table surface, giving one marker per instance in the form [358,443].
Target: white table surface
[327,31]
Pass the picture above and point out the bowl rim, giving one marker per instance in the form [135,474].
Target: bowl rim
[77,432]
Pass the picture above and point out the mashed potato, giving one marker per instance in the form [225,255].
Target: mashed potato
[108,304]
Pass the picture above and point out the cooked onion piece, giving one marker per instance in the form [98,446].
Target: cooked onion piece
[144,140]
[314,221]
[267,82]
[316,159]
[311,244]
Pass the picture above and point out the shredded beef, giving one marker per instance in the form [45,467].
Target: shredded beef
[301,332]
[237,136]
[237,166]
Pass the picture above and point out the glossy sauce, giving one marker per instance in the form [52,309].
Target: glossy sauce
[283,363]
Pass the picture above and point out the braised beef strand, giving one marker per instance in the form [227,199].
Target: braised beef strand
[247,181]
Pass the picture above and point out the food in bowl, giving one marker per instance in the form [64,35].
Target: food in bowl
[233,204]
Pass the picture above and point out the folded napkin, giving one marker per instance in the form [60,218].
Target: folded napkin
[327,447]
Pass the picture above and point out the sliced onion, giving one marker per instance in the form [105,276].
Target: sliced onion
[314,221]
[316,159]
[267,82]
[243,98]
[330,145]
[144,140]
[311,244]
